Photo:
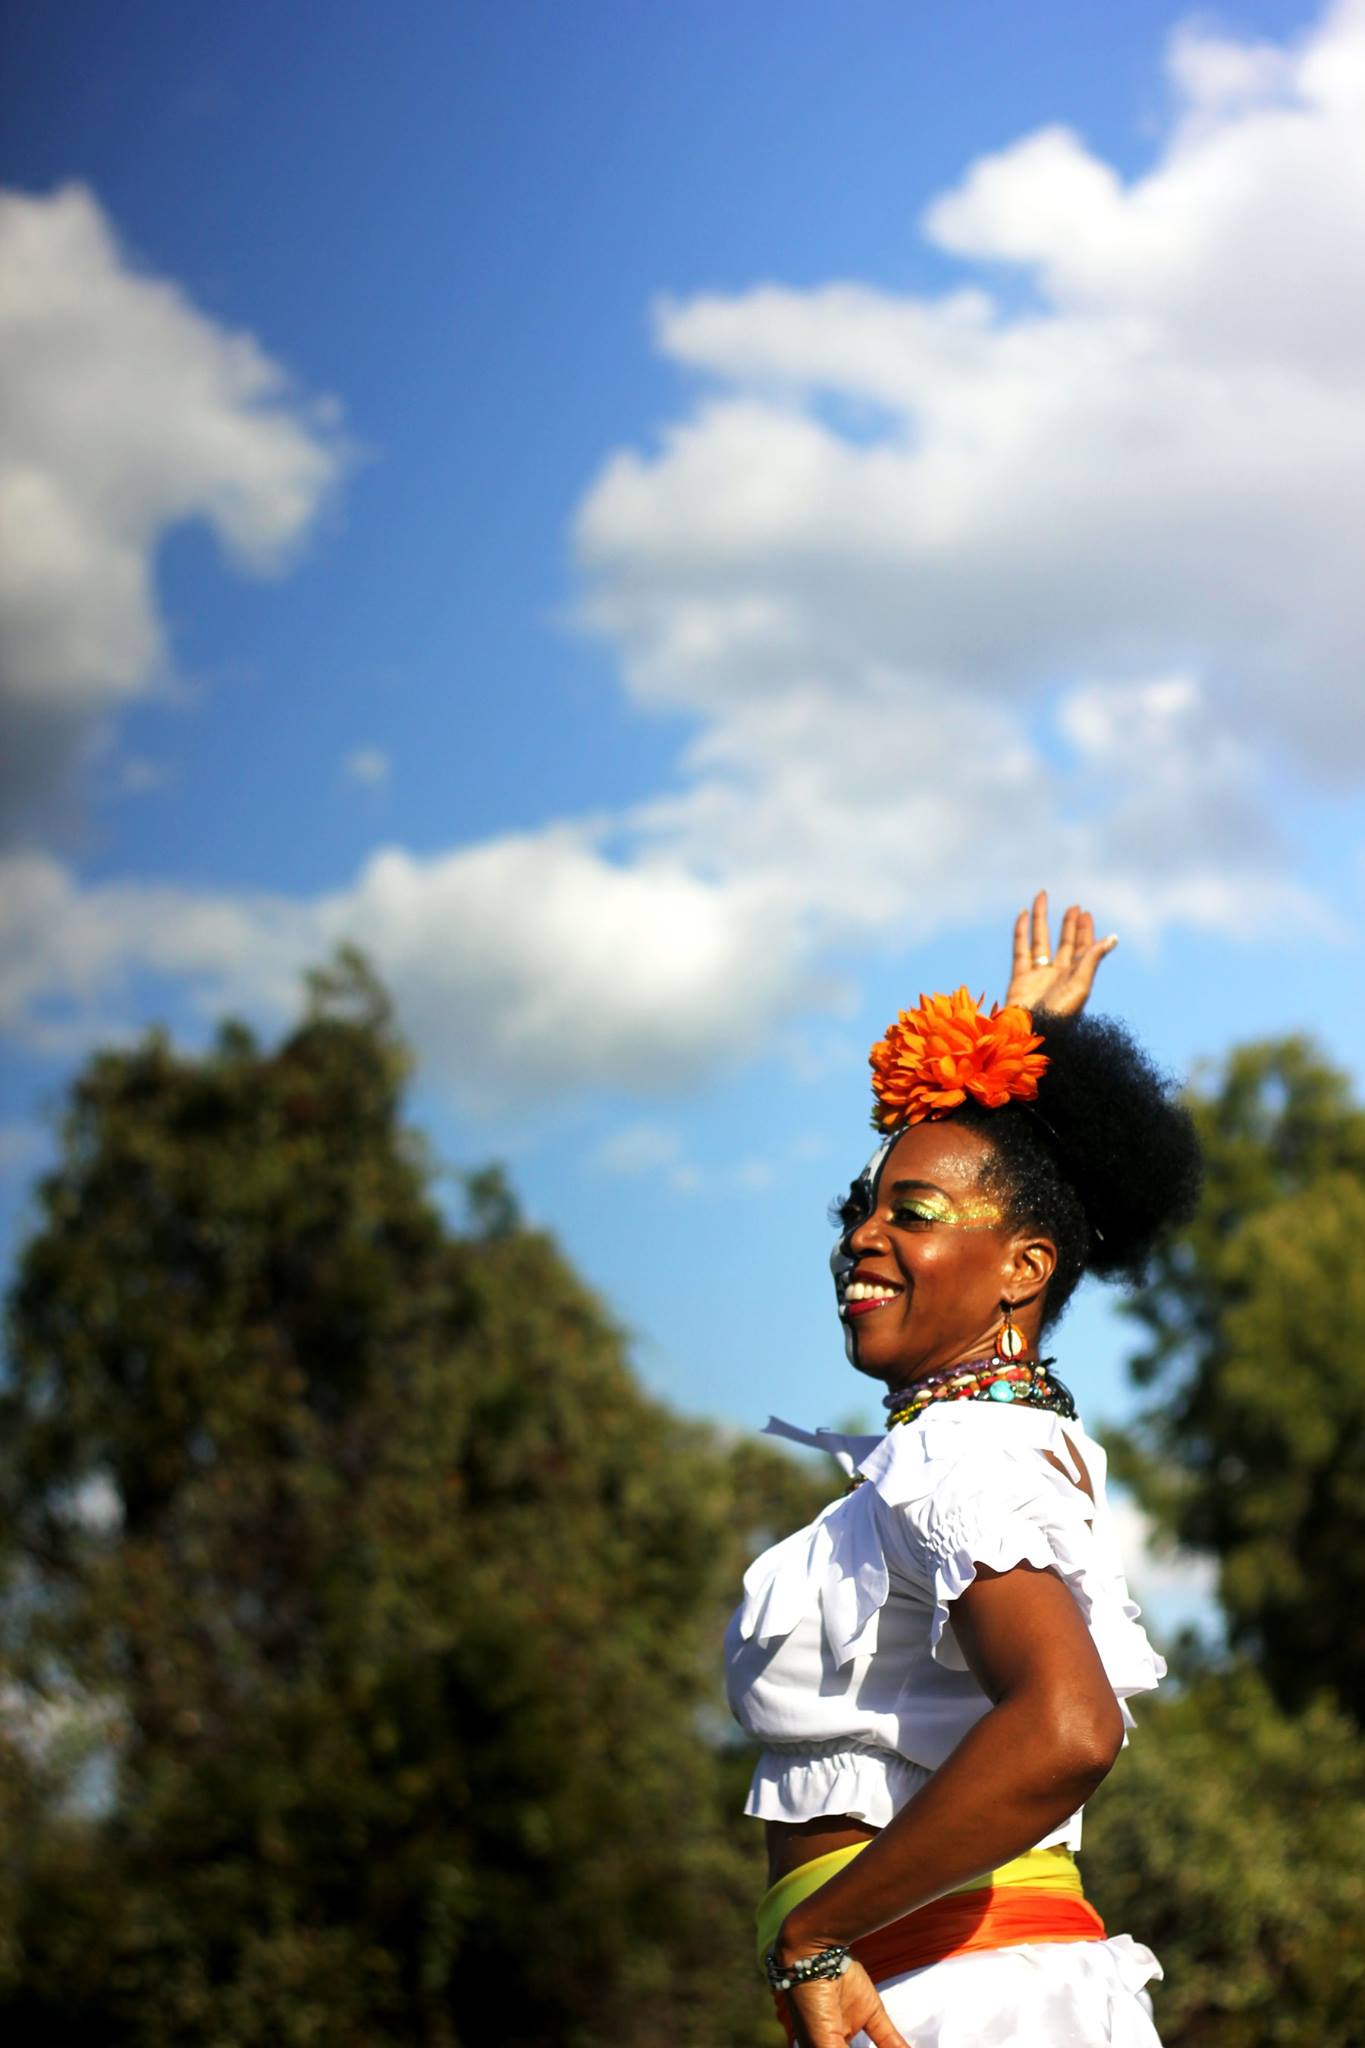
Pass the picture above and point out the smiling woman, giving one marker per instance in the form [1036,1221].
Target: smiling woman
[936,1668]
[926,1246]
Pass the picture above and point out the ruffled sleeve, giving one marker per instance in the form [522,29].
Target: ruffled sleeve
[971,1489]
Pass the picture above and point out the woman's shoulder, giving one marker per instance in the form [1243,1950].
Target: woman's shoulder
[975,1449]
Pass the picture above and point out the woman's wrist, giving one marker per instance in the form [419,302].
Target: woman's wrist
[796,1942]
[819,1966]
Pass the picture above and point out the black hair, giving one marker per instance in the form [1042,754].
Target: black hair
[1106,1161]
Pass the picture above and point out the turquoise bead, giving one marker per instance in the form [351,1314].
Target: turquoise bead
[1001,1390]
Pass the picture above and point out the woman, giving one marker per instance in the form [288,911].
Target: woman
[936,1667]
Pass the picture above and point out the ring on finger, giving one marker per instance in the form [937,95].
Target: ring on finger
[1042,959]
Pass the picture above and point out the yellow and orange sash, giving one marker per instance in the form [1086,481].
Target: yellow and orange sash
[1036,1897]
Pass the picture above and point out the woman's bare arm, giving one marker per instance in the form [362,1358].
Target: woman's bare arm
[1049,1738]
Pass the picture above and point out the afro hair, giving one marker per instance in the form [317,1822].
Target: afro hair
[1106,1161]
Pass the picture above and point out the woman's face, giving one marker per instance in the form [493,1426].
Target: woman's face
[925,1261]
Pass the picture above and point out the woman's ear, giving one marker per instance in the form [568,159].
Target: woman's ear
[1032,1263]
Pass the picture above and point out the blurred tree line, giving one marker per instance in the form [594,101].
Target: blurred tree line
[1232,1835]
[361,1615]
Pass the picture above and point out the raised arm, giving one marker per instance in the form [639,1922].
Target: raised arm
[1061,982]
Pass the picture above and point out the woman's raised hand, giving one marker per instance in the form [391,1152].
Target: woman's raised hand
[830,2011]
[1061,982]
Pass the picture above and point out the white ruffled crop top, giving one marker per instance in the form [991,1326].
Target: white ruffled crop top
[838,1661]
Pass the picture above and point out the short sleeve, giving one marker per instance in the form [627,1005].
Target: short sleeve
[972,1492]
[1002,1515]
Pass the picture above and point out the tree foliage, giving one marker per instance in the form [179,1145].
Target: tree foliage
[1255,1449]
[1231,1838]
[395,1603]
[361,1615]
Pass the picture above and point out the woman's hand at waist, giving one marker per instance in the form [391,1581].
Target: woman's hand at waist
[828,2013]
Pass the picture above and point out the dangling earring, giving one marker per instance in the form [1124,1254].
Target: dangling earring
[1010,1341]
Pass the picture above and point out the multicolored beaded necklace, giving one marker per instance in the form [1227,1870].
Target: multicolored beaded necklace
[1029,1383]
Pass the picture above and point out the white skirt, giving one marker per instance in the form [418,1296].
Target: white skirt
[1057,1994]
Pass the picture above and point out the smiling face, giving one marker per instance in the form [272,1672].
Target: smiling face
[926,1261]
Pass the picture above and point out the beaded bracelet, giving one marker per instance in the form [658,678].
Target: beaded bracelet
[830,1962]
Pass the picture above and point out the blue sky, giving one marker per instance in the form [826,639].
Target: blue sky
[666,523]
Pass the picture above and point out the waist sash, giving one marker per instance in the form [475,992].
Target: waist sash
[1037,1897]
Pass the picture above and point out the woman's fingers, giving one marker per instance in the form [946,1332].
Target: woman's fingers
[829,2013]
[1061,982]
[1083,975]
[1042,945]
[1066,938]
[822,2028]
[1020,961]
[880,2031]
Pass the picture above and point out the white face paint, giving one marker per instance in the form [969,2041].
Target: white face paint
[863,1197]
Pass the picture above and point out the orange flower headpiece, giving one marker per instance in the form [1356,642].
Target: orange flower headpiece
[934,1057]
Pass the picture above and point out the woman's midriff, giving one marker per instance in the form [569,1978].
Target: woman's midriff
[791,1843]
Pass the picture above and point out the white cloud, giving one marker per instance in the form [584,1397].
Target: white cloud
[126,412]
[522,967]
[648,1151]
[1214,73]
[644,955]
[70,955]
[1158,464]
[368,768]
[645,1150]
[959,597]
[537,962]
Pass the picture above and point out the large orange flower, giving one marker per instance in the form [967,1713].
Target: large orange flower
[934,1057]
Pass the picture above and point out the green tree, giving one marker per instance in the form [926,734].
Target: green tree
[1255,1449]
[1231,1837]
[397,1600]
